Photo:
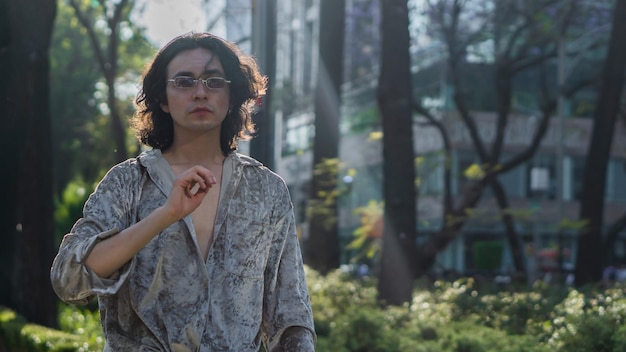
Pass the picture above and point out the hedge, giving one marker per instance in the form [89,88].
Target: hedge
[18,335]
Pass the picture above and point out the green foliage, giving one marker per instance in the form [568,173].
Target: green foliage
[429,168]
[83,323]
[83,145]
[511,311]
[69,208]
[73,77]
[460,316]
[474,172]
[367,236]
[362,330]
[479,171]
[589,322]
[364,120]
[17,335]
[466,315]
[332,295]
[322,207]
[567,224]
[469,336]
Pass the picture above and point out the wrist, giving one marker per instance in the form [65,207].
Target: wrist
[164,216]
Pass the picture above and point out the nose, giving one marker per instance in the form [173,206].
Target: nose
[200,91]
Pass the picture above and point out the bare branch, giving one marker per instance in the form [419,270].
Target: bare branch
[213,21]
[86,19]
[469,122]
[455,54]
[447,194]
[504,93]
[540,132]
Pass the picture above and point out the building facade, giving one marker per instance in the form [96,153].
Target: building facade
[542,192]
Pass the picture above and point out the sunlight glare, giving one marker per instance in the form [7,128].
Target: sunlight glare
[164,19]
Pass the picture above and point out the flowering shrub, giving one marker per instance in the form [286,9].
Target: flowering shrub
[465,316]
[459,316]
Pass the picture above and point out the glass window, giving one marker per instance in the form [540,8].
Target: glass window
[513,181]
[541,177]
[578,170]
[616,182]
[430,170]
[367,184]
[298,134]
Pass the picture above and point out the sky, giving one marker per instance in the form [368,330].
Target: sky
[165,19]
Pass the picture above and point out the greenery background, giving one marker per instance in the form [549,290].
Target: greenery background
[460,316]
[465,315]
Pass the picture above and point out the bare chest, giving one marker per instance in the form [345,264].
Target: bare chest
[203,217]
[204,220]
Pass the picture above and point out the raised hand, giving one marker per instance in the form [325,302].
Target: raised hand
[188,191]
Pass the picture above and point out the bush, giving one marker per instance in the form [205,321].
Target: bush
[465,316]
[17,335]
[471,336]
[334,294]
[513,312]
[363,330]
[69,207]
[589,322]
[83,323]
[459,316]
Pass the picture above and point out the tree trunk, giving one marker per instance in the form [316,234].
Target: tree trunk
[27,223]
[447,16]
[455,220]
[590,254]
[118,127]
[322,246]
[394,97]
[264,47]
[509,224]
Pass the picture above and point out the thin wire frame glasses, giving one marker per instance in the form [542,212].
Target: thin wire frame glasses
[185,82]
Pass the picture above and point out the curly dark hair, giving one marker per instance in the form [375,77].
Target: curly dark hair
[155,128]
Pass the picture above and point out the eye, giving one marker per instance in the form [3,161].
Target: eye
[216,82]
[185,82]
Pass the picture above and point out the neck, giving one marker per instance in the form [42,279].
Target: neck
[198,150]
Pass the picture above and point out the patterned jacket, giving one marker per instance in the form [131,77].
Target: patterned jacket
[167,298]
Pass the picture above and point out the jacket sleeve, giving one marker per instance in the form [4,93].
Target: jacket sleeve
[287,304]
[296,339]
[107,211]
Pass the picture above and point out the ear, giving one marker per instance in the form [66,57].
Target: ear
[165,108]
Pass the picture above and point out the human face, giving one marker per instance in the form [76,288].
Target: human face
[198,108]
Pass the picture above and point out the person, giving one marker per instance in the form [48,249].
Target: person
[191,246]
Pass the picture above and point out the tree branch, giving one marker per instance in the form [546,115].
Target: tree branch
[86,19]
[447,178]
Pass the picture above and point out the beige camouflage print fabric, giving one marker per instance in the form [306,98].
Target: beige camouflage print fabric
[251,288]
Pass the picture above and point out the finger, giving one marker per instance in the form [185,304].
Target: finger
[196,180]
[207,175]
[196,185]
[207,181]
[194,189]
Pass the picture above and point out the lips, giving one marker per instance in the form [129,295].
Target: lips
[201,109]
